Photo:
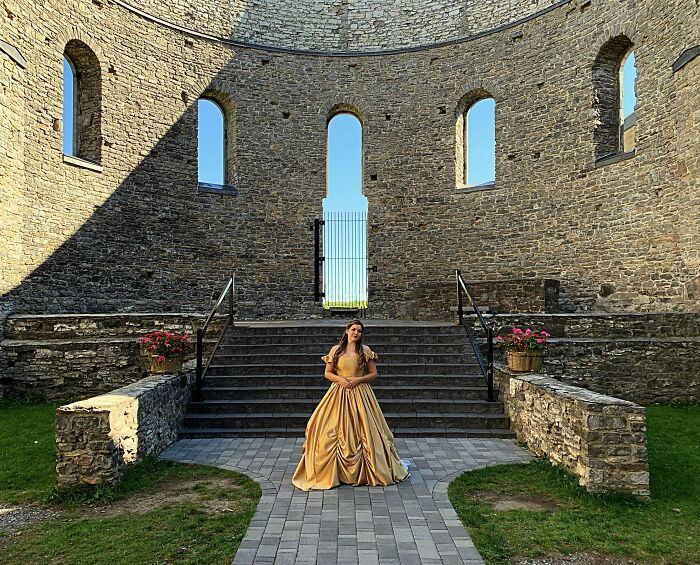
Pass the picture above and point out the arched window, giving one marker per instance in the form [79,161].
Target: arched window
[211,142]
[82,102]
[628,101]
[475,135]
[69,110]
[216,136]
[614,98]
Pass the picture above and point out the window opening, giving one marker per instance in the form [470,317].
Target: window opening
[345,218]
[211,143]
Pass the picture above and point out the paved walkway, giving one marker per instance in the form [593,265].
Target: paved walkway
[409,523]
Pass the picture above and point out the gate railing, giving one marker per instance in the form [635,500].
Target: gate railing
[201,367]
[486,367]
[340,260]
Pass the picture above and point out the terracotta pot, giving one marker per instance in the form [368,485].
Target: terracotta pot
[525,361]
[170,365]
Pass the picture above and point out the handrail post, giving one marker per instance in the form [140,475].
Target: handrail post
[198,380]
[489,366]
[460,312]
[230,300]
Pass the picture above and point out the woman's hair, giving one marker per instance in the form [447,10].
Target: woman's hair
[343,345]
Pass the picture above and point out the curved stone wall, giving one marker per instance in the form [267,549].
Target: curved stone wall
[138,236]
[340,25]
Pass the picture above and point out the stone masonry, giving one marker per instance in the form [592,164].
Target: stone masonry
[600,438]
[96,438]
[644,358]
[70,357]
[136,234]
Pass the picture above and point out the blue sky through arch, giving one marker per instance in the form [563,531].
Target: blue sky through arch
[68,116]
[210,142]
[344,165]
[481,142]
[629,85]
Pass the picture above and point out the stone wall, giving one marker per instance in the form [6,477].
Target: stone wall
[97,438]
[600,438]
[139,235]
[340,25]
[643,358]
[67,357]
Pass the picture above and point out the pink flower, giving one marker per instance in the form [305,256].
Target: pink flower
[517,331]
[499,338]
[540,341]
[161,358]
[545,334]
[528,331]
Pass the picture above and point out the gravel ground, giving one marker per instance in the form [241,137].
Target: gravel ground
[14,519]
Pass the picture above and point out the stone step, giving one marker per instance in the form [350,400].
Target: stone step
[327,341]
[219,366]
[299,432]
[271,380]
[299,420]
[293,359]
[405,406]
[316,392]
[335,332]
[318,349]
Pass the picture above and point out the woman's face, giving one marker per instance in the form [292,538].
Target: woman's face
[354,333]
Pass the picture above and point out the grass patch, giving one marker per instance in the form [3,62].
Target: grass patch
[27,451]
[665,530]
[161,512]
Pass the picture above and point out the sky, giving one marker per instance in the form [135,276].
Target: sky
[67,108]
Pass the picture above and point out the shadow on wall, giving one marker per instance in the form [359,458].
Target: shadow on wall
[157,243]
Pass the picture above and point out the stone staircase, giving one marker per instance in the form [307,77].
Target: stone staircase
[266,380]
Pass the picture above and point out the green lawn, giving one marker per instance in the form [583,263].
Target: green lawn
[664,530]
[27,452]
[199,514]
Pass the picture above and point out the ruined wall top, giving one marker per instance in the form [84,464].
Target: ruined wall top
[340,25]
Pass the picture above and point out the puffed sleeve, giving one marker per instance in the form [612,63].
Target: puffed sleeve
[327,358]
[369,354]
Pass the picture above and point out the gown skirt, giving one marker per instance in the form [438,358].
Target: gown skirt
[347,438]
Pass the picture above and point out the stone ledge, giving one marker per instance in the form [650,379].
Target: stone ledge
[97,438]
[82,163]
[600,438]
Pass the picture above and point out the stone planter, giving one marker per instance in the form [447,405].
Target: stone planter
[525,361]
[171,365]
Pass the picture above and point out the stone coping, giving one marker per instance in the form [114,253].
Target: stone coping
[559,388]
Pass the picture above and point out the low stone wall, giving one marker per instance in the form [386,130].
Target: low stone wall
[600,438]
[98,437]
[649,358]
[74,356]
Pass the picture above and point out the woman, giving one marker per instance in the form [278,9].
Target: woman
[347,438]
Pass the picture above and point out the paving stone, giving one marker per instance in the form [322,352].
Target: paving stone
[402,524]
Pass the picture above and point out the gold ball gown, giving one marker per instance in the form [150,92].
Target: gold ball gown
[347,438]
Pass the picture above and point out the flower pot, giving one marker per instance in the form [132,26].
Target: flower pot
[170,365]
[525,361]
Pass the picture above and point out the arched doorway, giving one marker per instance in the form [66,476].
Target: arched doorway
[344,219]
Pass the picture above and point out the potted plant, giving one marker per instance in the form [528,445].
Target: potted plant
[165,351]
[524,348]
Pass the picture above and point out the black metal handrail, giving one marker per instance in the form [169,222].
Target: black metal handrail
[486,368]
[201,368]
